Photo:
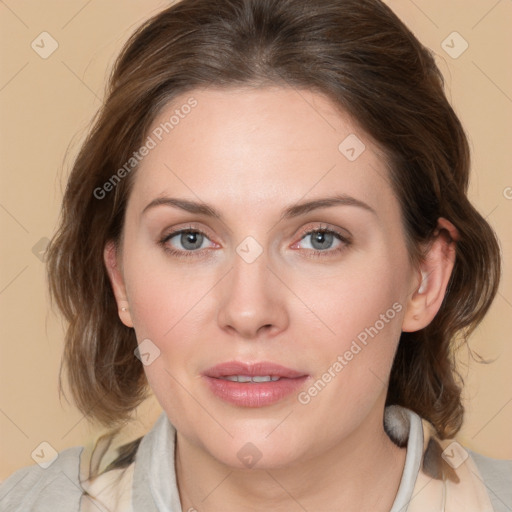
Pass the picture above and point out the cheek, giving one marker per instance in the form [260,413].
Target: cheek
[352,365]
[168,309]
[162,294]
[349,302]
[361,312]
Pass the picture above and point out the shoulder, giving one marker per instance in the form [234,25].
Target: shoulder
[38,489]
[61,486]
[110,491]
[482,479]
[497,477]
[466,480]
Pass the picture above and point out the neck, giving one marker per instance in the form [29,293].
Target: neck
[363,472]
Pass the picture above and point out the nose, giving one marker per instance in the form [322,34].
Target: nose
[252,300]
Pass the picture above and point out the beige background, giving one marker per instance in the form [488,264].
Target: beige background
[46,105]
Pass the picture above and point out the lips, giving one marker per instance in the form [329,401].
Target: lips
[252,370]
[252,384]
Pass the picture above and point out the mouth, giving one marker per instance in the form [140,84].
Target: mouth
[248,378]
[253,384]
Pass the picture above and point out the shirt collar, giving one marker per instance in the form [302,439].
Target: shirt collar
[155,487]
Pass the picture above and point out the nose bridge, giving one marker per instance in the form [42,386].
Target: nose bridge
[251,297]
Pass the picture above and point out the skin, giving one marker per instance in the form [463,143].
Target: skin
[250,153]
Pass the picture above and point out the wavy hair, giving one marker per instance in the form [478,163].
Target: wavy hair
[362,57]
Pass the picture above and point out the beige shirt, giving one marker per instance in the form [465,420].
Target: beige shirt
[438,476]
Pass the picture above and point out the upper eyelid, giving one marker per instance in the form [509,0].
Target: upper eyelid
[344,233]
[178,231]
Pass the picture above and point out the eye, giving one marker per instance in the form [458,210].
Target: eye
[184,242]
[191,241]
[324,241]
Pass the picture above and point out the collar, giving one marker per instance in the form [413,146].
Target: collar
[438,476]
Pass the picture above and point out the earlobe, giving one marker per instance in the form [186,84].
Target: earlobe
[434,275]
[110,257]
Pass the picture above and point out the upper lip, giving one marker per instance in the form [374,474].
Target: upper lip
[261,368]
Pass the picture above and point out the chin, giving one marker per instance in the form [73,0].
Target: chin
[254,449]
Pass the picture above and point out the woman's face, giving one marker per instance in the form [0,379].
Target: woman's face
[257,287]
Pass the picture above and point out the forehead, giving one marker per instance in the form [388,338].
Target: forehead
[245,147]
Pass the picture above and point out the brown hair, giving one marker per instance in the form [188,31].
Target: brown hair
[362,57]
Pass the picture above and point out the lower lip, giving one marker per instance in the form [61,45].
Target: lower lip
[254,394]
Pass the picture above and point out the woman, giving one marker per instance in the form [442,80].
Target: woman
[268,227]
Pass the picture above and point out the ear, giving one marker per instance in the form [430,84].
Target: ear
[433,277]
[111,259]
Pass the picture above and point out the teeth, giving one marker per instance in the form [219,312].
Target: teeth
[247,378]
[265,379]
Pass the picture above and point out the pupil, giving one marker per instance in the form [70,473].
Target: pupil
[324,239]
[189,240]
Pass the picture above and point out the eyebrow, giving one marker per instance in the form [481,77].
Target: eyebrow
[289,212]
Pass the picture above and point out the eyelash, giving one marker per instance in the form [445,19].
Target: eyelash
[312,252]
